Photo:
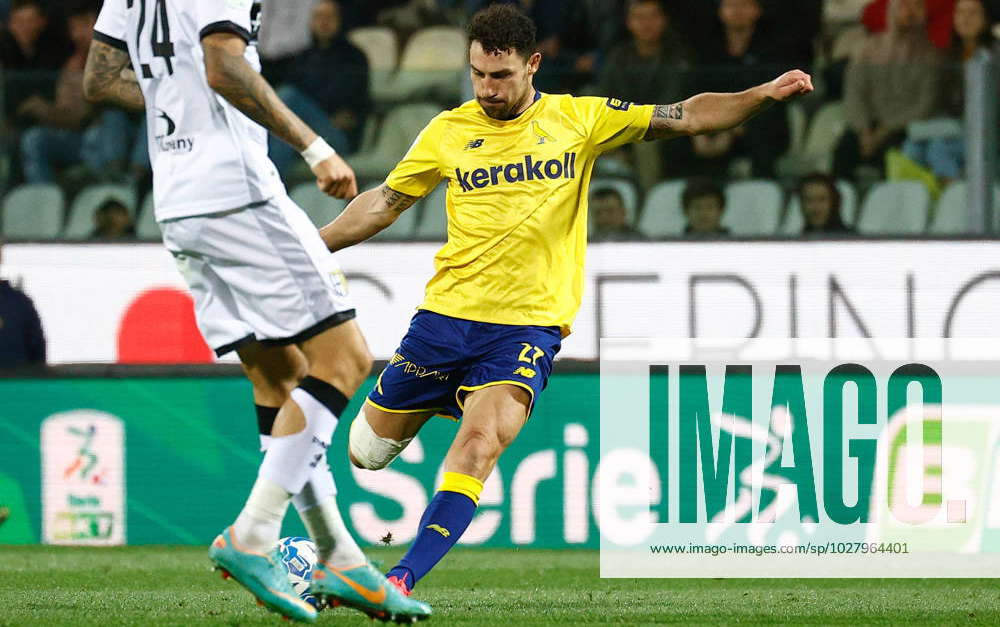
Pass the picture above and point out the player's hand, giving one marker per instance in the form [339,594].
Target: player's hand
[790,85]
[335,178]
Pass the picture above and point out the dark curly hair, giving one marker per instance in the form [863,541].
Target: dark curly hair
[700,188]
[502,28]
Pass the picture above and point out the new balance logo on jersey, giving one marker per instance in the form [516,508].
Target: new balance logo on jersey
[475,143]
[528,170]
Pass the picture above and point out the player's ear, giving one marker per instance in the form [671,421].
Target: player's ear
[534,61]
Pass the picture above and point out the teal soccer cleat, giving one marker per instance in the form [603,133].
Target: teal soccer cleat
[364,588]
[263,575]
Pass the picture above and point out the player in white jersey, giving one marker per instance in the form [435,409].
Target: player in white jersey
[257,269]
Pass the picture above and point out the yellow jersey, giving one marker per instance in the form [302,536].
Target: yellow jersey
[517,204]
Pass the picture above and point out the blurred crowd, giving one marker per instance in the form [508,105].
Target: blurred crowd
[889,101]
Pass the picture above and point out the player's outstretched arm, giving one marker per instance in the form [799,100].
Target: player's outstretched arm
[233,78]
[709,112]
[107,78]
[365,216]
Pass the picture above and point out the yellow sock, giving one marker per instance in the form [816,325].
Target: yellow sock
[463,484]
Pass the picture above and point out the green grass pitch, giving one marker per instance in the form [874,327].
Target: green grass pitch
[173,585]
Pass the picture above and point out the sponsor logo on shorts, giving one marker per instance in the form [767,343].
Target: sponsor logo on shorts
[421,372]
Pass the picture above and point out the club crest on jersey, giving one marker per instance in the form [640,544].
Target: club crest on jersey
[540,133]
[527,170]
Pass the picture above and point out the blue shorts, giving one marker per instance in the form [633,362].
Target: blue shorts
[442,359]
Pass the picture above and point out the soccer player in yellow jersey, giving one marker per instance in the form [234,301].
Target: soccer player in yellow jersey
[509,280]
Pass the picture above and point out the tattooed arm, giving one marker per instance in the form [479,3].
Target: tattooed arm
[107,78]
[233,78]
[709,113]
[367,214]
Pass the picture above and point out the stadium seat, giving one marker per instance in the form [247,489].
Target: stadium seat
[840,12]
[33,212]
[81,216]
[399,129]
[828,124]
[895,208]
[434,215]
[662,214]
[379,45]
[792,164]
[753,208]
[624,187]
[382,50]
[432,64]
[798,120]
[793,223]
[320,208]
[951,216]
[847,42]
[436,48]
[146,227]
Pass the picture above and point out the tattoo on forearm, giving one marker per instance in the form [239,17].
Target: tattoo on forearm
[397,201]
[665,121]
[103,78]
[670,112]
[249,92]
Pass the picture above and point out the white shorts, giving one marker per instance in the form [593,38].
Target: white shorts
[261,273]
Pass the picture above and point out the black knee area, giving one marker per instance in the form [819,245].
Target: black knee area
[265,418]
[331,398]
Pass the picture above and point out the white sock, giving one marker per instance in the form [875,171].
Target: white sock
[317,507]
[258,527]
[290,459]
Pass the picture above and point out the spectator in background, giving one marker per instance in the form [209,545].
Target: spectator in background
[327,87]
[22,341]
[820,203]
[894,80]
[29,42]
[742,54]
[654,65]
[611,218]
[112,220]
[31,53]
[704,203]
[938,24]
[939,144]
[284,33]
[68,130]
[573,36]
[797,25]
[972,29]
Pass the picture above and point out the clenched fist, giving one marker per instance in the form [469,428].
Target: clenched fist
[790,85]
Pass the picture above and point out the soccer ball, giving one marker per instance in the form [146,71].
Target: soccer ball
[299,558]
